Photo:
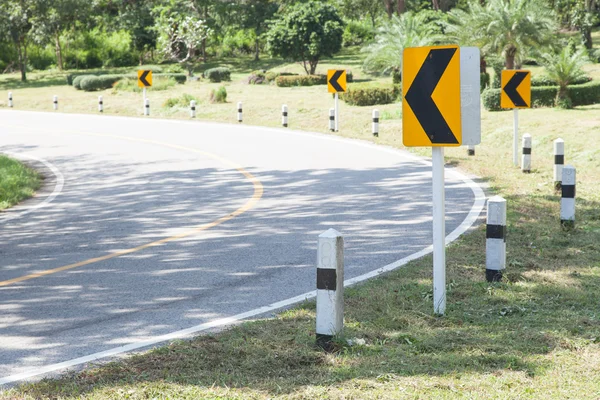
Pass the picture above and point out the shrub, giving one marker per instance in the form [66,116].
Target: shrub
[300,80]
[369,94]
[484,81]
[396,76]
[257,77]
[357,32]
[77,80]
[179,78]
[93,83]
[219,95]
[181,101]
[217,74]
[594,55]
[160,82]
[544,80]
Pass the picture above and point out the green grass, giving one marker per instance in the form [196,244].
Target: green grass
[17,182]
[536,335]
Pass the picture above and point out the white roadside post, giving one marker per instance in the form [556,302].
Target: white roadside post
[100,104]
[10,99]
[284,116]
[376,123]
[337,113]
[526,158]
[239,112]
[147,107]
[144,98]
[495,242]
[332,120]
[330,288]
[567,200]
[559,161]
[193,109]
[439,232]
[516,137]
[55,102]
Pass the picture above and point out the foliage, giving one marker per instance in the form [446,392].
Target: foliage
[242,41]
[218,95]
[484,81]
[511,28]
[97,49]
[301,80]
[362,94]
[356,33]
[217,74]
[305,33]
[408,30]
[182,101]
[545,80]
[564,68]
[77,80]
[92,83]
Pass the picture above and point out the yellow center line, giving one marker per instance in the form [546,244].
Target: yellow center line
[256,196]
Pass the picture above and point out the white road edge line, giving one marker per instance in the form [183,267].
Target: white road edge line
[58,187]
[476,209]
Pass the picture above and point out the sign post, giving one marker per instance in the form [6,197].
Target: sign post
[144,81]
[336,83]
[434,115]
[515,94]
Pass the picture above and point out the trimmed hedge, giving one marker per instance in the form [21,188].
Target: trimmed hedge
[300,80]
[179,78]
[92,83]
[77,81]
[543,80]
[545,96]
[370,95]
[217,74]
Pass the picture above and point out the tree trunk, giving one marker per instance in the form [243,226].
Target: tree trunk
[389,8]
[436,5]
[22,54]
[59,59]
[256,49]
[510,53]
[562,98]
[313,66]
[401,7]
[204,49]
[586,34]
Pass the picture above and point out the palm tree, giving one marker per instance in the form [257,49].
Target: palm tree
[564,68]
[399,32]
[507,27]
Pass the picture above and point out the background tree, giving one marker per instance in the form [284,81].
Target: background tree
[564,68]
[136,17]
[307,32]
[15,21]
[255,14]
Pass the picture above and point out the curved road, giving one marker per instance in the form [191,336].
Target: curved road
[159,226]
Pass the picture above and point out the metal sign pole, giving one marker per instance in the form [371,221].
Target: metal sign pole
[144,104]
[337,113]
[439,232]
[516,137]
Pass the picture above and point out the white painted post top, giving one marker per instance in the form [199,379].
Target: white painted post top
[559,146]
[568,175]
[284,107]
[375,113]
[496,211]
[330,234]
[527,140]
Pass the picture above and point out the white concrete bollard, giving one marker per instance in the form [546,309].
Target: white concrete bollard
[495,243]
[193,109]
[376,123]
[10,99]
[559,161]
[147,107]
[284,116]
[100,104]
[471,150]
[332,119]
[526,157]
[55,102]
[330,287]
[567,200]
[239,112]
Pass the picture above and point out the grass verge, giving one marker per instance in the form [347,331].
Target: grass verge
[17,182]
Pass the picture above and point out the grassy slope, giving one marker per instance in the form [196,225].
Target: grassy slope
[17,182]
[537,334]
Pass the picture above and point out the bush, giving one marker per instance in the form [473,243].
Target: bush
[369,94]
[300,80]
[544,80]
[357,32]
[93,83]
[183,101]
[179,78]
[217,74]
[77,80]
[484,81]
[257,78]
[396,76]
[594,55]
[545,96]
[219,95]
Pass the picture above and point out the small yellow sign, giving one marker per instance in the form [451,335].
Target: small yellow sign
[336,81]
[516,89]
[431,115]
[144,78]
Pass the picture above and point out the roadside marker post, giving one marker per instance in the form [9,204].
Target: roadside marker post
[434,116]
[376,123]
[144,81]
[284,116]
[193,109]
[332,120]
[567,200]
[495,239]
[10,99]
[100,104]
[147,107]
[330,288]
[336,83]
[526,158]
[55,102]
[559,161]
[515,94]
[239,112]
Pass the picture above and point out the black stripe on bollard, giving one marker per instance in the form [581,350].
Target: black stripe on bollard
[332,118]
[471,152]
[495,232]
[492,275]
[376,120]
[325,342]
[526,150]
[568,191]
[559,159]
[326,279]
[285,114]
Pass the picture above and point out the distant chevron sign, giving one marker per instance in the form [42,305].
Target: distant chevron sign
[432,96]
[336,81]
[516,89]
[144,78]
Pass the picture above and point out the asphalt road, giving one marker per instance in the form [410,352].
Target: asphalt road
[155,226]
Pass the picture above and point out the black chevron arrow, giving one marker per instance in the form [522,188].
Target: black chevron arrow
[511,89]
[334,81]
[419,98]
[144,76]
